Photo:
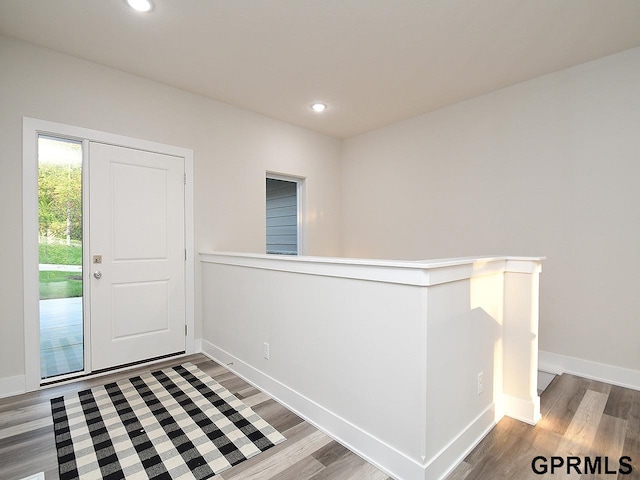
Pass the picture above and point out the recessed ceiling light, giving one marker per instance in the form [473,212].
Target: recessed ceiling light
[140,5]
[318,107]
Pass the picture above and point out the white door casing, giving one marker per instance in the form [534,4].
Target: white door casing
[137,228]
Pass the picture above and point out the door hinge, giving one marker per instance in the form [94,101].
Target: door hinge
[185,330]
[185,254]
[185,178]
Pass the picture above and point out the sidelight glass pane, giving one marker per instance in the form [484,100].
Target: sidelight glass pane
[60,256]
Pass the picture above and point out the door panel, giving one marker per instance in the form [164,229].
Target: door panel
[139,214]
[137,227]
[140,308]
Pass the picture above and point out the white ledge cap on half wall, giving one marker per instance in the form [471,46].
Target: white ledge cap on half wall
[422,273]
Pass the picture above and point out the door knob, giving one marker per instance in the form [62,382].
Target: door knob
[97,274]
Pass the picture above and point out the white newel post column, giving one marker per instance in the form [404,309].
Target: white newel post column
[520,341]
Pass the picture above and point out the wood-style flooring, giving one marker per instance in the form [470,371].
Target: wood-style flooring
[27,443]
[581,418]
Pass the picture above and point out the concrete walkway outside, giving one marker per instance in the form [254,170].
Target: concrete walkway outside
[49,267]
[61,336]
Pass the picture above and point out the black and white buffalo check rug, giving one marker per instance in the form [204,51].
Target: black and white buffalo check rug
[173,423]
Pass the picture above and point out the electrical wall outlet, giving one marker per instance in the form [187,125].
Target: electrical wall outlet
[265,351]
[480,382]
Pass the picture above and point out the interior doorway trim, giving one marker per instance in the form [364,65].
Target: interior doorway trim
[31,128]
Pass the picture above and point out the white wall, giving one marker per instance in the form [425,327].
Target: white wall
[233,149]
[547,167]
[325,332]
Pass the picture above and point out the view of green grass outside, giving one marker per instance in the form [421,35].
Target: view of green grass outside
[60,254]
[57,284]
[60,285]
[60,217]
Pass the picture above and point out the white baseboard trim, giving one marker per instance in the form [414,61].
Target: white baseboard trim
[559,364]
[447,459]
[10,386]
[396,463]
[525,410]
[375,451]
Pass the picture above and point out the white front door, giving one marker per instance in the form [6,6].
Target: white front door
[137,245]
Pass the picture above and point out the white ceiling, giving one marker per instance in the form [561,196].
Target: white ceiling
[374,62]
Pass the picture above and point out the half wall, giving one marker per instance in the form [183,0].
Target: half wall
[409,364]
